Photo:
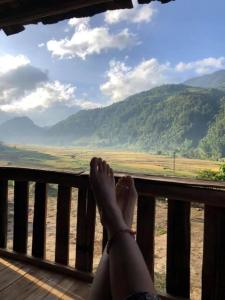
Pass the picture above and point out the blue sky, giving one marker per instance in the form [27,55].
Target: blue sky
[92,62]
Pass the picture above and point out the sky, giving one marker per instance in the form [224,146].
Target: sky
[49,72]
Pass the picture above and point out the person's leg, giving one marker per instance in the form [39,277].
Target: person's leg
[126,196]
[128,271]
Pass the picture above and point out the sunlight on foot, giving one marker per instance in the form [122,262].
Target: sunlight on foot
[126,195]
[103,185]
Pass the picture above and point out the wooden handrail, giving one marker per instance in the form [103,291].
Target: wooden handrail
[179,192]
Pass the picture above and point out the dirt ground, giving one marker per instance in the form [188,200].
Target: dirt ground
[160,240]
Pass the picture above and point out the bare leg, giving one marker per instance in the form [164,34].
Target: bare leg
[126,198]
[128,271]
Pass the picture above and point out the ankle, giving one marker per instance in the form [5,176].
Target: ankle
[117,223]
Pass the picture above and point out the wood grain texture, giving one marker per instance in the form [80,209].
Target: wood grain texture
[178,249]
[20,233]
[3,212]
[145,230]
[63,225]
[39,222]
[213,271]
[86,214]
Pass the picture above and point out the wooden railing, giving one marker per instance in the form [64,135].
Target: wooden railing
[180,194]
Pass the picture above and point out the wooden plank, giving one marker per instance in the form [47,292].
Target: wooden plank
[25,174]
[39,223]
[81,230]
[48,265]
[20,233]
[63,225]
[145,230]
[3,212]
[11,274]
[213,271]
[23,286]
[178,249]
[207,192]
[31,13]
[181,192]
[85,230]
[91,219]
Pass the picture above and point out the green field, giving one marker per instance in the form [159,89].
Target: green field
[77,159]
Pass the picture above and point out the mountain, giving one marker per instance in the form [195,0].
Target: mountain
[215,80]
[20,130]
[168,118]
[165,118]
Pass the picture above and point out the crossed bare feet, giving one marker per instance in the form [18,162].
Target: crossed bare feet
[116,205]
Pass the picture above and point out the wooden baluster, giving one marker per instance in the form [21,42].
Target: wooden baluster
[39,223]
[91,218]
[145,229]
[3,212]
[213,271]
[63,225]
[178,249]
[20,234]
[86,214]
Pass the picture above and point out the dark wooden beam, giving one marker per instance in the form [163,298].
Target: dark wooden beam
[32,12]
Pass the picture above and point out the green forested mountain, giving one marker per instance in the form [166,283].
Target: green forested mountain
[166,118]
[190,120]
[214,80]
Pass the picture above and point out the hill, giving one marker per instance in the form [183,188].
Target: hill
[186,119]
[20,130]
[165,118]
[215,80]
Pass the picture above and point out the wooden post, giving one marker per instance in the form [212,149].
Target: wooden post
[145,229]
[178,249]
[3,213]
[213,271]
[39,223]
[63,225]
[20,234]
[85,230]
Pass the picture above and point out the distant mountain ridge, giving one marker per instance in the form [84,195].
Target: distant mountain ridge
[214,80]
[21,130]
[176,117]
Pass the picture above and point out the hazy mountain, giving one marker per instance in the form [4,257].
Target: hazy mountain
[20,130]
[52,114]
[5,116]
[214,80]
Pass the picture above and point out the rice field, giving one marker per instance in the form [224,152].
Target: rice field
[77,159]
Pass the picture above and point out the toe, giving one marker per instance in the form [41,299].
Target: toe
[104,166]
[93,165]
[108,169]
[100,165]
[111,172]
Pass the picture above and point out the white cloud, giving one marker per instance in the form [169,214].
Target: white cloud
[87,41]
[43,96]
[204,66]
[139,14]
[25,88]
[123,81]
[9,62]
[76,21]
[41,45]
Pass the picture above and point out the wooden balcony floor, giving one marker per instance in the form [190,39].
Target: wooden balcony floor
[23,281]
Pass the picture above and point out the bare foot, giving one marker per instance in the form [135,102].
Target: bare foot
[103,185]
[126,196]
